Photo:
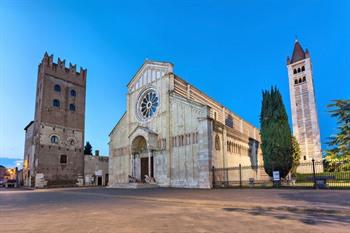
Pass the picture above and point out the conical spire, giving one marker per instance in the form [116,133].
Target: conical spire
[298,52]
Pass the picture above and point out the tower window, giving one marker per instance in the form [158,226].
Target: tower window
[304,157]
[57,88]
[294,71]
[54,139]
[56,103]
[296,81]
[299,80]
[303,68]
[72,107]
[73,93]
[63,159]
[304,79]
[299,70]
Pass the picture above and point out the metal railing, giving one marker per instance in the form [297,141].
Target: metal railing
[308,175]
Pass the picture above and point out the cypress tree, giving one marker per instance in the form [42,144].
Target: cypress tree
[87,149]
[275,134]
[296,156]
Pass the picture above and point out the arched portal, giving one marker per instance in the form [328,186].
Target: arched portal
[142,159]
[139,145]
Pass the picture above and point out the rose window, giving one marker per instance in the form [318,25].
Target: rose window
[148,104]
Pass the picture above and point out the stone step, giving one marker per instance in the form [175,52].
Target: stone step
[133,186]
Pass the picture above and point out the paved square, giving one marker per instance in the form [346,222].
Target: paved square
[174,210]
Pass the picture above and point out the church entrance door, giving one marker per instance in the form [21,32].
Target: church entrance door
[145,166]
[99,181]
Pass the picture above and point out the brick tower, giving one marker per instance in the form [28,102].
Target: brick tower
[54,154]
[303,104]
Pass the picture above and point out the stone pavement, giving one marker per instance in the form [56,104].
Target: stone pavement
[174,210]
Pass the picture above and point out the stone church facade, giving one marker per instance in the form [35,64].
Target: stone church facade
[303,105]
[53,153]
[175,133]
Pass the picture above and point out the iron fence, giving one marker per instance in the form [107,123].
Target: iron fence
[308,175]
[241,176]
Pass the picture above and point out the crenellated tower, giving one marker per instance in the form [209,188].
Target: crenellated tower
[54,140]
[303,104]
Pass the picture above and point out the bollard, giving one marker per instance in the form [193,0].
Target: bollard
[314,173]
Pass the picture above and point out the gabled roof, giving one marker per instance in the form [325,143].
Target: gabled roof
[298,52]
[156,64]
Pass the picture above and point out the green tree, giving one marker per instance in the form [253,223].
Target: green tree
[338,157]
[88,149]
[296,156]
[275,134]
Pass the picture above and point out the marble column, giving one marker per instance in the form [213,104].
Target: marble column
[149,163]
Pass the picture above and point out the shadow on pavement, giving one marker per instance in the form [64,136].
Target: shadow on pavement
[333,197]
[305,215]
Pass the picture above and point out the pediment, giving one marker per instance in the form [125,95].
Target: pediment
[150,71]
[140,130]
[150,136]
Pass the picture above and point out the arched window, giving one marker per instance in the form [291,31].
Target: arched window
[303,68]
[73,93]
[54,139]
[56,103]
[304,79]
[217,142]
[57,88]
[72,107]
[229,121]
[296,81]
[299,70]
[299,80]
[294,71]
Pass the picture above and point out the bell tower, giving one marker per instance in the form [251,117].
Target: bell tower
[54,154]
[303,104]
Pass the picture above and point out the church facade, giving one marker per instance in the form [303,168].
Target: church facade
[174,133]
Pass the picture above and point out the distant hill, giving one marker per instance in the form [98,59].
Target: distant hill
[11,162]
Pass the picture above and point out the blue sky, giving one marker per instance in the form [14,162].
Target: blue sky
[231,50]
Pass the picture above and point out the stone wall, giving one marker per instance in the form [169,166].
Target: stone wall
[187,133]
[119,152]
[28,159]
[56,173]
[95,167]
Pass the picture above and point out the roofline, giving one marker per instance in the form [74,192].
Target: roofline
[28,125]
[117,124]
[176,76]
[147,62]
[298,62]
